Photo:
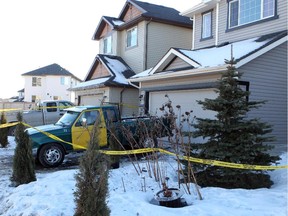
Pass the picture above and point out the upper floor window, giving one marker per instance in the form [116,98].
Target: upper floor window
[107,45]
[132,37]
[64,80]
[242,12]
[36,81]
[207,25]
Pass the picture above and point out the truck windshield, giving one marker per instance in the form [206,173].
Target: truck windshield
[68,118]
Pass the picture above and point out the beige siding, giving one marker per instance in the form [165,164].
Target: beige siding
[245,32]
[162,37]
[198,31]
[267,75]
[176,81]
[254,30]
[129,97]
[114,35]
[133,56]
[176,64]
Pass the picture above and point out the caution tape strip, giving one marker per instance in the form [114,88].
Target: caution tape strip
[148,150]
[8,124]
[8,110]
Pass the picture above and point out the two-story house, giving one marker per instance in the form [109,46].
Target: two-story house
[49,83]
[129,44]
[254,32]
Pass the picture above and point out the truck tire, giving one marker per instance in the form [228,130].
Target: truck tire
[150,142]
[51,155]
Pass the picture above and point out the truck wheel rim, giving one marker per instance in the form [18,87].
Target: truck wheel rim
[53,156]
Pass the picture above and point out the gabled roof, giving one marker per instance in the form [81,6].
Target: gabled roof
[119,72]
[213,58]
[50,70]
[157,13]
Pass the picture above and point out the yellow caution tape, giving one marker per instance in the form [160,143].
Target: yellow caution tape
[8,124]
[53,136]
[9,110]
[192,159]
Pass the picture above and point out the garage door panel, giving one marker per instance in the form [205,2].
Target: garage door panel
[187,99]
[94,100]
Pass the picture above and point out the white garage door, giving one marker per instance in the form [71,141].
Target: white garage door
[94,100]
[187,99]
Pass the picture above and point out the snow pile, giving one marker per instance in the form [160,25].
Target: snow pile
[131,194]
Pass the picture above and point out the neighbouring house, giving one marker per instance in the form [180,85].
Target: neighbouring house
[49,83]
[21,94]
[134,41]
[18,98]
[255,31]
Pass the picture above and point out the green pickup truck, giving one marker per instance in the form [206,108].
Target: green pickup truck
[73,131]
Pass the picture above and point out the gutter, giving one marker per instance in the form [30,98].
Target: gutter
[190,72]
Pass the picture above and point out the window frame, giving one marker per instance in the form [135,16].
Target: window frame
[248,23]
[210,28]
[130,45]
[106,48]
[36,81]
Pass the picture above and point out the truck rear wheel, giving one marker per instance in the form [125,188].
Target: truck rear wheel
[51,155]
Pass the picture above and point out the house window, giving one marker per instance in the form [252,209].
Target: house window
[242,12]
[36,81]
[33,98]
[207,25]
[107,45]
[64,80]
[132,37]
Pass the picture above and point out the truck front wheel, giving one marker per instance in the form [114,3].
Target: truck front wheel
[51,155]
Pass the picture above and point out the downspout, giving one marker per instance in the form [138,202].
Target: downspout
[217,24]
[121,100]
[193,31]
[146,45]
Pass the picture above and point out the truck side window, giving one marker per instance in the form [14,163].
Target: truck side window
[90,116]
[53,106]
[63,105]
[111,115]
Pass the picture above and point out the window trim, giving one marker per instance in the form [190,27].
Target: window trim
[211,25]
[239,26]
[130,30]
[106,51]
[36,81]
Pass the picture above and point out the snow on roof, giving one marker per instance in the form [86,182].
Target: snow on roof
[117,22]
[143,73]
[90,83]
[211,57]
[117,68]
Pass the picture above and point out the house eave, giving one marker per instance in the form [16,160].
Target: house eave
[185,73]
[205,5]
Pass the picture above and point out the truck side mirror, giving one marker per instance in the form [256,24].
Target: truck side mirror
[84,122]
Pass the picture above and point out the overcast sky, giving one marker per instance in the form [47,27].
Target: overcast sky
[37,33]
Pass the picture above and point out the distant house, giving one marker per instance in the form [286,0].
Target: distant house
[49,83]
[257,35]
[21,94]
[129,44]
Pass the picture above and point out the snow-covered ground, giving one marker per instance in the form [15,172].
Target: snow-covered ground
[52,193]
